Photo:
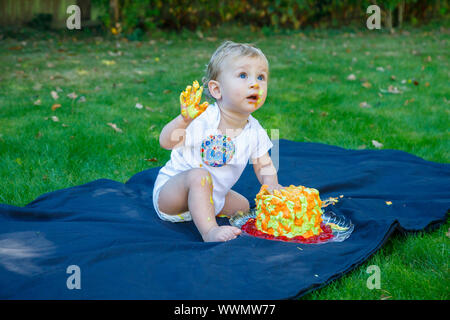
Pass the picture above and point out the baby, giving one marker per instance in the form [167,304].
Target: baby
[211,145]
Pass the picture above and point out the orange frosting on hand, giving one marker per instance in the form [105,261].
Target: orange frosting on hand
[190,101]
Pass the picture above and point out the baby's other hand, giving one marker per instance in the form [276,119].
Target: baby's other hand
[190,102]
[272,187]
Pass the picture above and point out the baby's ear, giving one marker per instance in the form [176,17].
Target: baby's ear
[214,89]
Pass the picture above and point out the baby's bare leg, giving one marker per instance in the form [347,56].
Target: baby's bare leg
[192,190]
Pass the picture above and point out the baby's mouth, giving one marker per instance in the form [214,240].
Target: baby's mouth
[253,98]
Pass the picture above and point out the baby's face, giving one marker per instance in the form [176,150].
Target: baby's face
[241,78]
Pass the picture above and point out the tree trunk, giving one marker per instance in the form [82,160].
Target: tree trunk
[114,11]
[401,8]
[389,19]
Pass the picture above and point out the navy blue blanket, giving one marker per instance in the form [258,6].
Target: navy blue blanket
[124,251]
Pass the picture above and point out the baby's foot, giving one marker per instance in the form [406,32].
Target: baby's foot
[221,233]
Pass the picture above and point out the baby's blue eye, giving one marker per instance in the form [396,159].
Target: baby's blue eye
[262,78]
[242,74]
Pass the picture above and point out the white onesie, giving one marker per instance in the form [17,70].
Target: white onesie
[224,158]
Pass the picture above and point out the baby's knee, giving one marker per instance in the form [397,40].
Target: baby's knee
[245,205]
[200,177]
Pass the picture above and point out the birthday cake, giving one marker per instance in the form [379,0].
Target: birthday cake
[293,211]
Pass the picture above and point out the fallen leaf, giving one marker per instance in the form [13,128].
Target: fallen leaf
[38,135]
[156,59]
[82,99]
[416,83]
[362,147]
[393,78]
[37,102]
[56,106]
[55,118]
[139,106]
[37,87]
[351,77]
[114,126]
[56,77]
[15,48]
[366,85]
[381,69]
[82,72]
[427,84]
[72,95]
[394,90]
[324,114]
[115,54]
[448,233]
[54,95]
[50,65]
[151,160]
[391,89]
[108,62]
[64,125]
[377,144]
[167,91]
[409,101]
[365,105]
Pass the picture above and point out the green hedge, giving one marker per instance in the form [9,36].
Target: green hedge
[293,14]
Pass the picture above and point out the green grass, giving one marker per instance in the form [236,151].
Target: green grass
[309,99]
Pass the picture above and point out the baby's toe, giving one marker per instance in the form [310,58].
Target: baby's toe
[236,231]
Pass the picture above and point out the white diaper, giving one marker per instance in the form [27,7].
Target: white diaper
[159,183]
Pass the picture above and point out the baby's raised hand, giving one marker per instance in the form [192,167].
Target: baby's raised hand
[190,102]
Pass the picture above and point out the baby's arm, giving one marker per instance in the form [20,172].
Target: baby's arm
[173,134]
[266,172]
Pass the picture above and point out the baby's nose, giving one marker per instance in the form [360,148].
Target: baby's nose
[256,86]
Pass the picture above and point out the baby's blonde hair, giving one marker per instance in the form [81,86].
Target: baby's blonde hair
[227,49]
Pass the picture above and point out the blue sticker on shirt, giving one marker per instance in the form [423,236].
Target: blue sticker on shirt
[217,150]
